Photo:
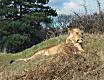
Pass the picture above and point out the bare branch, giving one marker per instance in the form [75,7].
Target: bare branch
[84,6]
[99,6]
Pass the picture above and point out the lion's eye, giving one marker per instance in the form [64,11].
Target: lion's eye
[82,33]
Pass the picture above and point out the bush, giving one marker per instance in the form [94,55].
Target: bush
[15,42]
[16,35]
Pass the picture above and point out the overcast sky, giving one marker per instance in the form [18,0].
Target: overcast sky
[67,6]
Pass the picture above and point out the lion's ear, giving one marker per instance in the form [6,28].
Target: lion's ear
[68,31]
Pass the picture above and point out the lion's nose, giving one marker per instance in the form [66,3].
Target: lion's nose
[78,40]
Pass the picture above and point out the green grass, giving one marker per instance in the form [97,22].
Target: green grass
[6,58]
[93,44]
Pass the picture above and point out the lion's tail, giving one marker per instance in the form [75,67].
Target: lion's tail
[27,59]
[16,60]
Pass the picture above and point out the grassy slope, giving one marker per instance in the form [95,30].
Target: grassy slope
[5,58]
[92,44]
[32,50]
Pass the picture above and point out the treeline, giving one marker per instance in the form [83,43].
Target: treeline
[23,23]
[91,23]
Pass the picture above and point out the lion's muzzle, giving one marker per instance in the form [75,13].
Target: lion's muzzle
[80,40]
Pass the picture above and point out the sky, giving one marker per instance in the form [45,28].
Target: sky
[70,6]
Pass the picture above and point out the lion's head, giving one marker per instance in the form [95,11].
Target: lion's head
[75,35]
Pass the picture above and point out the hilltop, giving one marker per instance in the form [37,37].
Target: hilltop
[60,67]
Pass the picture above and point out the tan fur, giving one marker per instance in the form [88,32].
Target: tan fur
[74,38]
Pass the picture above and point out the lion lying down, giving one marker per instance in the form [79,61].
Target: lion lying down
[74,40]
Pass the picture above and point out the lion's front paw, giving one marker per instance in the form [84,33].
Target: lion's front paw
[82,51]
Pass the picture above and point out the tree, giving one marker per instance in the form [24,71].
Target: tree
[23,18]
[16,9]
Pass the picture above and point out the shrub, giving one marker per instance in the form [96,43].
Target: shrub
[15,42]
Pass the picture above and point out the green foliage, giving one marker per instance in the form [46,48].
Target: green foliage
[37,17]
[16,36]
[20,23]
[16,9]
[15,42]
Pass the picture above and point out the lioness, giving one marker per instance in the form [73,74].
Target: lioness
[75,37]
